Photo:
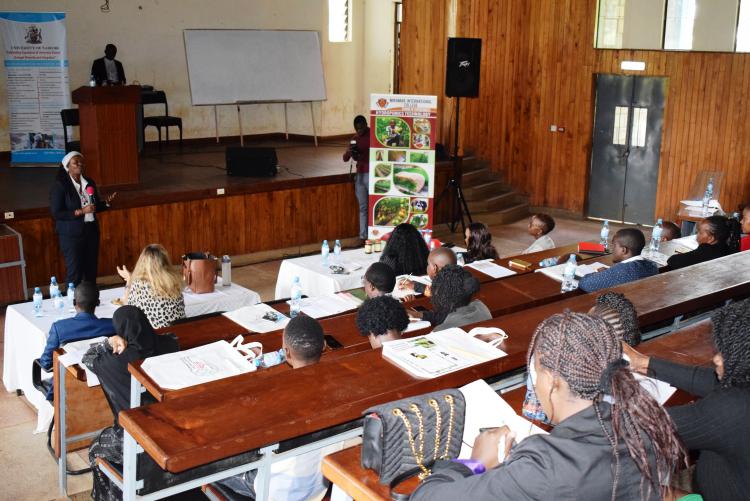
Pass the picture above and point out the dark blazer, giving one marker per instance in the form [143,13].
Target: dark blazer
[573,462]
[716,425]
[99,70]
[618,274]
[704,252]
[64,201]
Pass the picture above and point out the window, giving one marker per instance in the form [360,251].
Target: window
[640,122]
[611,24]
[621,125]
[680,22]
[339,20]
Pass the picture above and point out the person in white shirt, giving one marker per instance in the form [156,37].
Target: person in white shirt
[108,70]
[539,226]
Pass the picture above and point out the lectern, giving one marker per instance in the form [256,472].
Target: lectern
[108,133]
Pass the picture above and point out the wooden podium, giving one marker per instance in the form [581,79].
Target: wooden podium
[108,133]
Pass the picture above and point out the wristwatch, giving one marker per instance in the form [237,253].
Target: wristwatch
[475,466]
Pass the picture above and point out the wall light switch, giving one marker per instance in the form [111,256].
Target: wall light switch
[553,128]
[561,129]
[219,191]
[9,215]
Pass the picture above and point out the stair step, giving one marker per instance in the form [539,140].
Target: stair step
[484,189]
[476,176]
[495,202]
[507,215]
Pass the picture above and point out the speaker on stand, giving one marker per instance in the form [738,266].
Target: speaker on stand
[461,80]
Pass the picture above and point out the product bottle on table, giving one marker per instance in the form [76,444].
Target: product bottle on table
[337,251]
[53,287]
[226,271]
[550,261]
[324,252]
[708,195]
[270,359]
[37,298]
[69,296]
[604,235]
[569,275]
[296,298]
[656,236]
[59,303]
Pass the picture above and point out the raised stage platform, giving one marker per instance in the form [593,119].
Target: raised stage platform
[176,204]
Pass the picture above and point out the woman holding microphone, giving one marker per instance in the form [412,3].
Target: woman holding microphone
[74,202]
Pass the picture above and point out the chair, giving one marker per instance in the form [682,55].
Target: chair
[70,118]
[166,121]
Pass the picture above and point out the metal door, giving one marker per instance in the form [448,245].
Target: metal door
[626,145]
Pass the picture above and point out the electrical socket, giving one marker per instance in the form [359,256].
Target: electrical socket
[9,215]
[219,191]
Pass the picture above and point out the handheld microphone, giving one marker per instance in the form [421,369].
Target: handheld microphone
[90,192]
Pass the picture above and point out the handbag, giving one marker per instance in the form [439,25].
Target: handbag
[409,435]
[199,271]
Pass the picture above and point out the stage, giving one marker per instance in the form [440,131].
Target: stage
[176,204]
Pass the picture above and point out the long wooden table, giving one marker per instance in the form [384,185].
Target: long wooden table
[691,345]
[227,417]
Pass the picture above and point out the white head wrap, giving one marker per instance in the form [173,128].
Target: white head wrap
[67,158]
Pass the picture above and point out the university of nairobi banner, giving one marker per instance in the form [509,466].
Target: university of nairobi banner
[402,161]
[36,64]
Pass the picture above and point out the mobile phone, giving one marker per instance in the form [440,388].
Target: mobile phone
[332,342]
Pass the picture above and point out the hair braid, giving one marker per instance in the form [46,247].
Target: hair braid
[585,351]
[731,331]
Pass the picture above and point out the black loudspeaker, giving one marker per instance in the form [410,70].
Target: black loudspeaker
[251,162]
[462,68]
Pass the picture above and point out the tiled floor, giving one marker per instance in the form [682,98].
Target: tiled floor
[29,472]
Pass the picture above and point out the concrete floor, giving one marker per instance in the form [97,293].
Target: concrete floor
[29,472]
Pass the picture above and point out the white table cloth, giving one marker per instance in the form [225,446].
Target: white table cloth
[26,335]
[317,280]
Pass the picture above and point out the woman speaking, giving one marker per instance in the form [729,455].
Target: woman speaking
[74,202]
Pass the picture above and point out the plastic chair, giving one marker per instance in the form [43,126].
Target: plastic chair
[166,121]
[70,118]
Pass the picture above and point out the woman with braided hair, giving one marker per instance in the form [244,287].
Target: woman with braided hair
[624,450]
[717,425]
[717,236]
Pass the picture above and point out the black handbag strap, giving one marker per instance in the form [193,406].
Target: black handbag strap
[403,477]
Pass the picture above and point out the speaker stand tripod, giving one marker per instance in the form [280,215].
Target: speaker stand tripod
[458,207]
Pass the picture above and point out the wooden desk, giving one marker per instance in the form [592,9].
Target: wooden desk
[344,469]
[210,422]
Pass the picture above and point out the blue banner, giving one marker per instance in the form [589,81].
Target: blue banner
[36,65]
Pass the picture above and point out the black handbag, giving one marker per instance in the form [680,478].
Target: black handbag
[409,435]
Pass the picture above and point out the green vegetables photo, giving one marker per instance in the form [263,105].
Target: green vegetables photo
[391,211]
[420,158]
[382,170]
[382,186]
[392,132]
[411,180]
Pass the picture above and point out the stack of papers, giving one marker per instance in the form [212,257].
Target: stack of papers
[488,267]
[439,353]
[486,409]
[330,304]
[251,318]
[399,293]
[556,272]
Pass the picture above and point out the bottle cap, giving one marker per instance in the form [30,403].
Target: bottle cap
[37,289]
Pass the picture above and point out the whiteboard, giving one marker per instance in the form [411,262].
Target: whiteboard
[230,66]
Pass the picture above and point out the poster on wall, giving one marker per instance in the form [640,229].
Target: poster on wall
[36,66]
[402,161]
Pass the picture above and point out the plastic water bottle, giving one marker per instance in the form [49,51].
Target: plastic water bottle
[550,261]
[337,251]
[569,275]
[296,298]
[54,289]
[604,235]
[708,195]
[270,359]
[324,252]
[38,299]
[460,259]
[69,296]
[432,245]
[226,271]
[59,303]
[656,236]
[92,81]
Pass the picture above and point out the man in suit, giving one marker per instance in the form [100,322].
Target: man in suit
[84,325]
[629,264]
[107,69]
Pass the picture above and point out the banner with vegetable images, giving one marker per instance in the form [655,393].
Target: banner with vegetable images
[402,161]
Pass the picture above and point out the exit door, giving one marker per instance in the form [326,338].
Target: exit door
[626,145]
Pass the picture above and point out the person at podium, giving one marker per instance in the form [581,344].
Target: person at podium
[74,203]
[107,70]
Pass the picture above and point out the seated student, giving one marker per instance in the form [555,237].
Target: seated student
[478,241]
[437,259]
[298,477]
[406,252]
[85,325]
[379,280]
[539,227]
[452,291]
[627,245]
[717,236]
[135,339]
[382,319]
[717,425]
[745,228]
[597,450]
[670,231]
[615,309]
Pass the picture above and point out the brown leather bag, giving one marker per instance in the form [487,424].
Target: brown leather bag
[199,271]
